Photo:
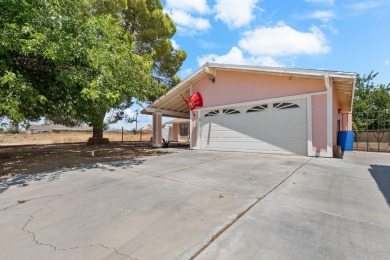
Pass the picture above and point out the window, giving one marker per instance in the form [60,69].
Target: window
[183,129]
[257,108]
[231,111]
[212,113]
[285,105]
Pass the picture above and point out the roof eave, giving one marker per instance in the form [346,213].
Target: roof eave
[188,81]
[282,70]
[209,67]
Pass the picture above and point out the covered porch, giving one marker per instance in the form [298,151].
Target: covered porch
[173,105]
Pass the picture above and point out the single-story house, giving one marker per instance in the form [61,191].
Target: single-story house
[179,131]
[147,129]
[260,109]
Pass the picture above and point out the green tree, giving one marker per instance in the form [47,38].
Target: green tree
[371,103]
[71,62]
[150,29]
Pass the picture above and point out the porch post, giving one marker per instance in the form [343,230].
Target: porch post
[157,129]
[175,131]
[329,115]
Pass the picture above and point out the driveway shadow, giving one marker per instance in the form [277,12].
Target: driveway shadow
[24,180]
[381,174]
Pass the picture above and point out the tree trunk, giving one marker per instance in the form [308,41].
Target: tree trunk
[97,137]
[15,127]
[97,134]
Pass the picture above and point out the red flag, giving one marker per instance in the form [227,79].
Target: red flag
[194,101]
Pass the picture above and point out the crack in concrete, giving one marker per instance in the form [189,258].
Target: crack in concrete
[117,252]
[33,234]
[24,201]
[31,217]
[35,240]
[94,245]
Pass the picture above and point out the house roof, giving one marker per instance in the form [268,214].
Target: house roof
[172,104]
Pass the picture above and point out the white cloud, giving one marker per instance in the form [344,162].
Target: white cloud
[330,27]
[199,6]
[235,56]
[387,62]
[330,2]
[322,15]
[175,45]
[187,15]
[235,13]
[325,16]
[184,73]
[187,22]
[282,40]
[361,6]
[129,113]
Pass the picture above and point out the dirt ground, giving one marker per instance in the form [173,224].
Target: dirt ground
[67,137]
[18,160]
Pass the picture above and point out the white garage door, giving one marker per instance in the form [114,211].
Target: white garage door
[278,127]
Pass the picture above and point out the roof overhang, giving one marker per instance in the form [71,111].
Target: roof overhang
[172,104]
[178,121]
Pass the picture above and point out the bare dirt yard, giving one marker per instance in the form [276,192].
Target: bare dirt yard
[23,159]
[67,137]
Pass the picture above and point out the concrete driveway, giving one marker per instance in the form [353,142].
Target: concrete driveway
[211,205]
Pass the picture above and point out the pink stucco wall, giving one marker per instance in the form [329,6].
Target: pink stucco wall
[231,87]
[234,87]
[193,131]
[175,132]
[319,115]
[157,129]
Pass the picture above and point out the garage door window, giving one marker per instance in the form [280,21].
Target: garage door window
[231,111]
[257,109]
[285,105]
[212,113]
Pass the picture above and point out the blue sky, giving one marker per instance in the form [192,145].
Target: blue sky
[348,35]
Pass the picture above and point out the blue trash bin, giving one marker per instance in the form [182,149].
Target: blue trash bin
[345,140]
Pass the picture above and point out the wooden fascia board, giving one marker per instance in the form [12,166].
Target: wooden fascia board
[353,93]
[175,97]
[184,84]
[164,112]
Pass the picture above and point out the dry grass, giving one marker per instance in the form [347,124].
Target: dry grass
[59,138]
[27,159]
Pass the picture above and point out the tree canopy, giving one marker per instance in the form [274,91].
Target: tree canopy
[371,103]
[370,97]
[72,61]
[151,29]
